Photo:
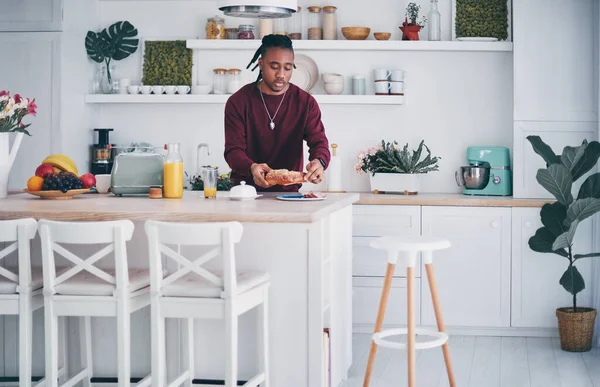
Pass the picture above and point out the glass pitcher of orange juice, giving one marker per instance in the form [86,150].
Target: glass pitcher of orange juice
[173,173]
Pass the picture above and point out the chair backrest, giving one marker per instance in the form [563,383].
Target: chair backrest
[113,233]
[221,235]
[18,233]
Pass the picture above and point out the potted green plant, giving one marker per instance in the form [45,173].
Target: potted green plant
[224,182]
[396,170]
[560,221]
[411,26]
[115,43]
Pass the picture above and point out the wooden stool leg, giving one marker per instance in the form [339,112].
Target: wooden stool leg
[385,292]
[411,339]
[440,321]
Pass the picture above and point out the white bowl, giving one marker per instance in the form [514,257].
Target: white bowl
[334,88]
[201,89]
[332,78]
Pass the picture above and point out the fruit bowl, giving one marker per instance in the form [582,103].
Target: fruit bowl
[56,194]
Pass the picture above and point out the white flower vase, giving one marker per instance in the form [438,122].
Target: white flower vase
[405,183]
[7,158]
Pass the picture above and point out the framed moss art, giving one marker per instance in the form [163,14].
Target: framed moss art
[481,19]
[166,62]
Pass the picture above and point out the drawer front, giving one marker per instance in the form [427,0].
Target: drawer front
[370,262]
[384,220]
[366,296]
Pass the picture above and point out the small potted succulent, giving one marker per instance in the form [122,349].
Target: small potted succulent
[560,221]
[411,26]
[393,169]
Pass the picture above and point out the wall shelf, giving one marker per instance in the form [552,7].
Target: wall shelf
[221,99]
[355,45]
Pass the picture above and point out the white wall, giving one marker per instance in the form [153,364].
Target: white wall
[454,99]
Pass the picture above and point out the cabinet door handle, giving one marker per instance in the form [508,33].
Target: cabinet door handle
[495,224]
[528,224]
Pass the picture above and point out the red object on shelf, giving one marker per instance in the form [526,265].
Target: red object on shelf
[410,32]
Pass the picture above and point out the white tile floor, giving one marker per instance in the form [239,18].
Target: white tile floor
[481,361]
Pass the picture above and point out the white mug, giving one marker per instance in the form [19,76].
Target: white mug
[146,89]
[133,89]
[123,90]
[170,89]
[183,89]
[382,87]
[158,89]
[397,88]
[381,75]
[124,82]
[102,183]
[397,75]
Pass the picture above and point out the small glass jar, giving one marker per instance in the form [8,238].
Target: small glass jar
[215,28]
[219,81]
[265,27]
[234,80]
[315,29]
[295,25]
[329,23]
[279,26]
[245,31]
[231,33]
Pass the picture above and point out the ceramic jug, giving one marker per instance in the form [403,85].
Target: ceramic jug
[7,158]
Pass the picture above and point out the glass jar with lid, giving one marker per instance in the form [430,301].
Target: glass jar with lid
[279,26]
[315,29]
[295,25]
[231,32]
[265,27]
[220,81]
[234,80]
[215,28]
[245,31]
[329,23]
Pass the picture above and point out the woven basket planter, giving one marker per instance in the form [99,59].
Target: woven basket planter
[576,329]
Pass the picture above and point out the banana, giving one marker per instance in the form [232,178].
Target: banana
[62,162]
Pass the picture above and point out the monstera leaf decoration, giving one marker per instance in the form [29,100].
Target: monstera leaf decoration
[117,42]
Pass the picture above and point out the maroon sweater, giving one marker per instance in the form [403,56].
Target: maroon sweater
[249,139]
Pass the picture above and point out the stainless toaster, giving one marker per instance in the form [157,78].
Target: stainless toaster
[135,172]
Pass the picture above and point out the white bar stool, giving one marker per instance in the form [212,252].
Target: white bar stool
[410,247]
[194,292]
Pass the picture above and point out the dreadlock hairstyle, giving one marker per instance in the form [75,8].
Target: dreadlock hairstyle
[269,41]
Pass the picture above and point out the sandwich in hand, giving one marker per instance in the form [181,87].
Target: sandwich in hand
[284,177]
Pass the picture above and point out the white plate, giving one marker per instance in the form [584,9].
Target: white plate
[297,199]
[244,198]
[306,73]
[477,39]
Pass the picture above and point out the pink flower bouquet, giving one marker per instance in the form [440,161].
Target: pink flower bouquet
[12,111]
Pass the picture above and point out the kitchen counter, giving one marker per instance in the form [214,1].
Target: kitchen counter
[191,208]
[449,199]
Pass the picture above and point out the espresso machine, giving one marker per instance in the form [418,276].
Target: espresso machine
[103,153]
[488,172]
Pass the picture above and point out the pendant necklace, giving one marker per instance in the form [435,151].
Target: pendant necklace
[271,124]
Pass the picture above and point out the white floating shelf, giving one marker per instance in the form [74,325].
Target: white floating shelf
[355,45]
[221,99]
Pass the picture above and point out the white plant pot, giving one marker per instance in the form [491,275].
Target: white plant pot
[396,182]
[7,158]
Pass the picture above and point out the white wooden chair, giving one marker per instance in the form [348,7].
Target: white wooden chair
[21,289]
[193,292]
[84,290]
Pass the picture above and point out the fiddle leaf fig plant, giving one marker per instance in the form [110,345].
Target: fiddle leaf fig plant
[116,42]
[561,218]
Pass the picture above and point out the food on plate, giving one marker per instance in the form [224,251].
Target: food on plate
[35,183]
[88,180]
[311,195]
[62,162]
[43,170]
[285,177]
[63,182]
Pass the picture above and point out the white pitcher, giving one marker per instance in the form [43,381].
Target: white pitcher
[7,158]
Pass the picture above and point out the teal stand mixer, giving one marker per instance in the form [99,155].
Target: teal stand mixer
[488,172]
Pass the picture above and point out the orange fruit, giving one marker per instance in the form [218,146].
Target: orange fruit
[35,183]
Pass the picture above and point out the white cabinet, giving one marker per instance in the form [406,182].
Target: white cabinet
[31,15]
[554,67]
[526,162]
[536,292]
[473,275]
[36,75]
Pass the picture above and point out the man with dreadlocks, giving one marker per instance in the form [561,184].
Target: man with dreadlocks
[267,121]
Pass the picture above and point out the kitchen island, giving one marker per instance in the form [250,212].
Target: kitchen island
[305,246]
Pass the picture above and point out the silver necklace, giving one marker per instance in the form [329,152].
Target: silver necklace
[271,124]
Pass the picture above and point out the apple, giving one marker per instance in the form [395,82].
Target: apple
[44,170]
[88,180]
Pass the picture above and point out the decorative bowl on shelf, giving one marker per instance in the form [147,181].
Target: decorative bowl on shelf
[382,35]
[56,194]
[356,33]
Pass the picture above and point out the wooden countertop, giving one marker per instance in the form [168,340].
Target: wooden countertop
[191,208]
[449,199]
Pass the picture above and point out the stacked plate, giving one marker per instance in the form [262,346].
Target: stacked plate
[306,73]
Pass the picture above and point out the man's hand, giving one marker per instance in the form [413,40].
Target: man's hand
[258,172]
[314,172]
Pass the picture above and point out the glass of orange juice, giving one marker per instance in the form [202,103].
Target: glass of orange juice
[209,179]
